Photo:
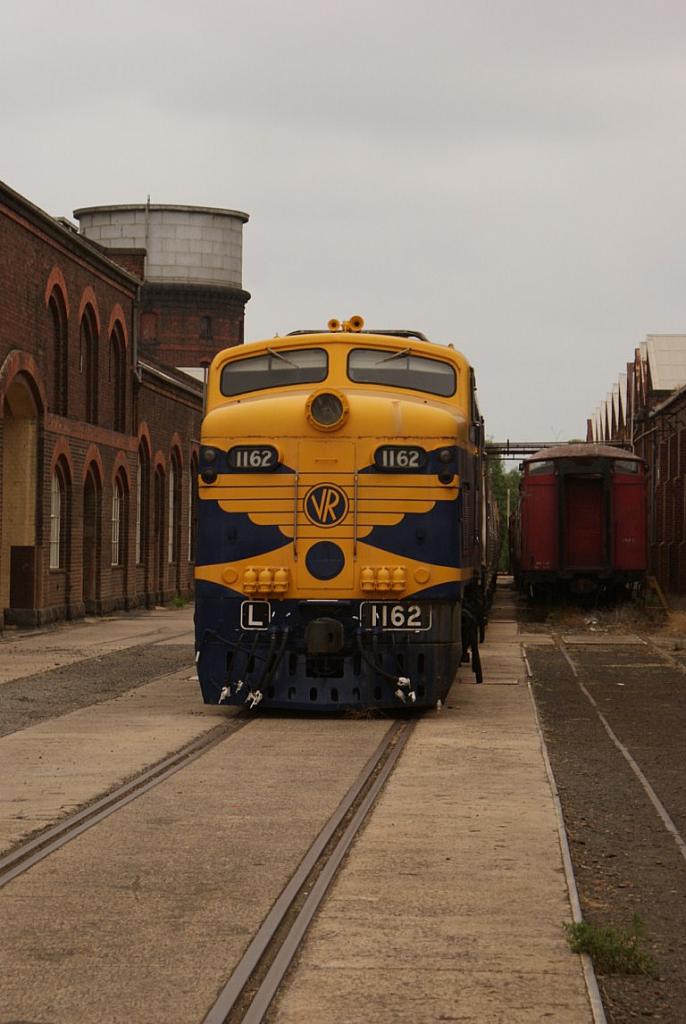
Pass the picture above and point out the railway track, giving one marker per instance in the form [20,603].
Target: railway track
[255,980]
[579,674]
[31,852]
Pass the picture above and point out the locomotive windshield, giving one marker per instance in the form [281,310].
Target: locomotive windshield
[274,369]
[401,369]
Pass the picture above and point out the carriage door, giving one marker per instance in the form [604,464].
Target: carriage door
[584,505]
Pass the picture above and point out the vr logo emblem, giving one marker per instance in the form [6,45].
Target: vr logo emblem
[326,505]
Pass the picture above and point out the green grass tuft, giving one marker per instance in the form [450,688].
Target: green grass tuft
[613,950]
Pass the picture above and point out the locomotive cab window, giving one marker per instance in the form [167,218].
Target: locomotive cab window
[274,369]
[402,369]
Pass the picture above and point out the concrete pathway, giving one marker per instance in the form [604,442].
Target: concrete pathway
[27,652]
[450,907]
[51,769]
[142,918]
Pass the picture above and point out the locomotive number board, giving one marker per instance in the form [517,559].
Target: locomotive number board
[394,616]
[246,456]
[399,457]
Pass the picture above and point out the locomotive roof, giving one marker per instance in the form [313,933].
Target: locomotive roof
[582,450]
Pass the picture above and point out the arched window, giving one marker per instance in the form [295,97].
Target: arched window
[119,521]
[117,502]
[142,503]
[158,536]
[58,512]
[192,506]
[88,362]
[92,550]
[118,377]
[60,353]
[173,511]
[139,510]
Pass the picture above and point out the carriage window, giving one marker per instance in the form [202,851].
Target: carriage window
[625,466]
[540,468]
[401,369]
[274,369]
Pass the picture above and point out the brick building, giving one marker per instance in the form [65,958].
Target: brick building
[98,426]
[646,410]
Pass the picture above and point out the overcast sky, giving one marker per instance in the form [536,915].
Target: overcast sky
[506,175]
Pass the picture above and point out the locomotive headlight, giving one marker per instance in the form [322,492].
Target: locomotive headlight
[326,410]
[445,455]
[208,456]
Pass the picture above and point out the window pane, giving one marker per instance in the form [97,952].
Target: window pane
[192,485]
[116,522]
[55,515]
[626,466]
[401,369]
[274,370]
[139,487]
[540,468]
[171,523]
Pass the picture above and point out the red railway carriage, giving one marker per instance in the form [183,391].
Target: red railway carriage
[581,520]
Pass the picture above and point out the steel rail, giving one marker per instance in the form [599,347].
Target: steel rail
[590,978]
[394,740]
[29,853]
[666,656]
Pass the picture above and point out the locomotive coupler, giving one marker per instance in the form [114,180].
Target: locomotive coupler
[324,636]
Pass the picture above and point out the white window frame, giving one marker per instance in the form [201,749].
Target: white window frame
[191,497]
[55,521]
[117,503]
[139,498]
[171,522]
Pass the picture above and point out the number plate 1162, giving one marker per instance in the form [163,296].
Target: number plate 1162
[394,616]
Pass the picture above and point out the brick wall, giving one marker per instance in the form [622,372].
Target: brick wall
[173,417]
[660,433]
[186,325]
[40,258]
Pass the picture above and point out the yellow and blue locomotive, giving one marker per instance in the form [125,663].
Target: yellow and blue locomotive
[341,506]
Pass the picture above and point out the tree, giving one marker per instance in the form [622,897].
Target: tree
[503,483]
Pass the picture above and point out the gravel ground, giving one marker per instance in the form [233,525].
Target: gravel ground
[35,699]
[625,861]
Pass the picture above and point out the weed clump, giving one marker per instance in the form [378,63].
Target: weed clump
[612,950]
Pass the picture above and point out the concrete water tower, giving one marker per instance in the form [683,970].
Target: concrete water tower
[190,259]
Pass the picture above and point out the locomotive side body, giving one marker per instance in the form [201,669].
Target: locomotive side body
[581,521]
[331,562]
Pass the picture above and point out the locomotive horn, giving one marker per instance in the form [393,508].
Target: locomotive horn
[356,323]
[334,325]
